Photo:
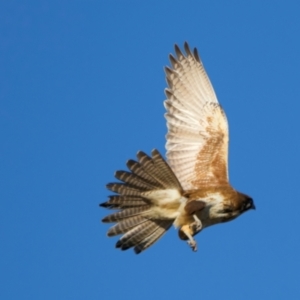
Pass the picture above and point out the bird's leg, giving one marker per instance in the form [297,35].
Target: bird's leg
[197,225]
[187,231]
[192,243]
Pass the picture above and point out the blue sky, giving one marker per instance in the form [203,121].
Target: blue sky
[81,91]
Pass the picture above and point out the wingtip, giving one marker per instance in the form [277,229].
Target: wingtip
[178,51]
[173,60]
[168,70]
[176,47]
[168,93]
[196,55]
[187,49]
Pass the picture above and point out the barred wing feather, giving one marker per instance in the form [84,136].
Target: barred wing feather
[197,138]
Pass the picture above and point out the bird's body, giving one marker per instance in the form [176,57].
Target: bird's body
[215,200]
[192,190]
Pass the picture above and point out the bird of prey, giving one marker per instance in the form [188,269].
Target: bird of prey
[190,190]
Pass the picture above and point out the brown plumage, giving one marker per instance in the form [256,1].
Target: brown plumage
[192,190]
[140,213]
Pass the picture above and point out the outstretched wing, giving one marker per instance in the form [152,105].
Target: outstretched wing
[197,138]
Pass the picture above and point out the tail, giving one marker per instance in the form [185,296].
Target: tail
[147,200]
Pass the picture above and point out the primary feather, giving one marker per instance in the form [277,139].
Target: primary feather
[197,139]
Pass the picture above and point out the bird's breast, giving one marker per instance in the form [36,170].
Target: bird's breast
[209,215]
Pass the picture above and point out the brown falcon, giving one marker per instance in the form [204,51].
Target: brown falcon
[191,190]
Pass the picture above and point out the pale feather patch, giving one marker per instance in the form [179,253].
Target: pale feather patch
[163,197]
[166,203]
[197,125]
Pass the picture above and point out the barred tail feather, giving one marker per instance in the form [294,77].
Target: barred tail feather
[140,218]
[125,225]
[119,202]
[126,213]
[152,238]
[138,236]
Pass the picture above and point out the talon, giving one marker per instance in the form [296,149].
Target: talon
[186,230]
[193,245]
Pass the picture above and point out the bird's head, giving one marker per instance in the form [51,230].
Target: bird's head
[245,203]
[234,208]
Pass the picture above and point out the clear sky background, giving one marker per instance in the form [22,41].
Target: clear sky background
[81,91]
